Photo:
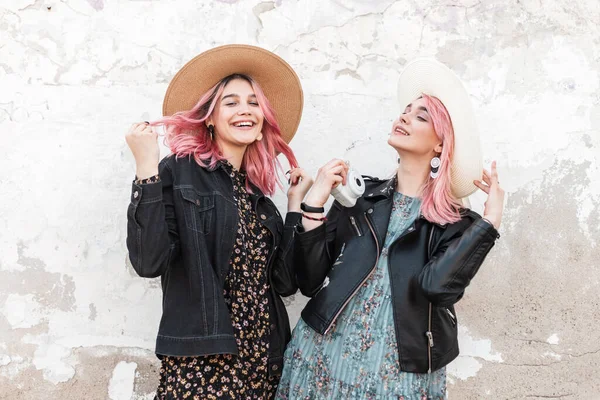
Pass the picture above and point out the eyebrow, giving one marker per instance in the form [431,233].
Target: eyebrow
[235,95]
[420,108]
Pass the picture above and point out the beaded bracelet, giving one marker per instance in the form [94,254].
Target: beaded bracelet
[152,179]
[322,219]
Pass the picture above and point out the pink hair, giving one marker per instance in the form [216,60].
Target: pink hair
[187,135]
[438,204]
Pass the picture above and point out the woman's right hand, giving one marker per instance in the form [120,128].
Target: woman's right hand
[142,142]
[328,177]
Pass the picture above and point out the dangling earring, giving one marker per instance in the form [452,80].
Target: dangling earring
[435,167]
[211,131]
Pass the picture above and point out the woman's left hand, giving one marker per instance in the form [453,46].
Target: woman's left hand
[495,201]
[300,183]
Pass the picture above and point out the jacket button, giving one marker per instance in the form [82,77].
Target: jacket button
[370,211]
[263,216]
[135,194]
[275,367]
[272,327]
[197,202]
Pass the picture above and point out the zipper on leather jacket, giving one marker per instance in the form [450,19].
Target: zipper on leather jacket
[428,333]
[355,225]
[452,317]
[429,339]
[337,314]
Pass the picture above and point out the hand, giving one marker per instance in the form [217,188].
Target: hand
[328,177]
[300,182]
[141,140]
[495,201]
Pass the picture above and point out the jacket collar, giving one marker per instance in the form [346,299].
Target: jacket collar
[385,190]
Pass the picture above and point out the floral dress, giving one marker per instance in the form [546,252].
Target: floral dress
[227,376]
[358,357]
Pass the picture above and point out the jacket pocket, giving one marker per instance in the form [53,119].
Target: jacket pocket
[198,210]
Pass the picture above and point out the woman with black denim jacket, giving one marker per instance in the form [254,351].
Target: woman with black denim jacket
[200,220]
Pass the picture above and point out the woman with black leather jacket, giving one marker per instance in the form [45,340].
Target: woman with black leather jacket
[202,222]
[384,275]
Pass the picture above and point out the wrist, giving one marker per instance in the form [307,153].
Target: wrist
[294,208]
[313,202]
[492,221]
[311,209]
[146,171]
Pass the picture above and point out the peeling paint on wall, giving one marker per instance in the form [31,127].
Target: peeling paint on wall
[76,322]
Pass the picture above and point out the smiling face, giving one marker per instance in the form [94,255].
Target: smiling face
[413,132]
[237,117]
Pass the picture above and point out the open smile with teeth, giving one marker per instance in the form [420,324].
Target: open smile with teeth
[401,131]
[244,124]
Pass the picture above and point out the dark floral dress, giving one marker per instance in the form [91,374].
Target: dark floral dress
[226,376]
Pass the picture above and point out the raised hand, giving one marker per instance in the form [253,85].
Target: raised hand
[142,142]
[494,204]
[300,183]
[328,177]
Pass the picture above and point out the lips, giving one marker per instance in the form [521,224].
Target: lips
[243,124]
[401,131]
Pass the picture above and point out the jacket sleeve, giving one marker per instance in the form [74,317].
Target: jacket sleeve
[152,235]
[456,261]
[314,253]
[283,279]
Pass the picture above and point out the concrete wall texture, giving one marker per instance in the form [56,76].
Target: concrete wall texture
[75,321]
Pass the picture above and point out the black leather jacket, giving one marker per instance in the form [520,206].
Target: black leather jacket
[183,230]
[429,265]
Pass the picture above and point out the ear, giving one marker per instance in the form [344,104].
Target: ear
[438,148]
[208,122]
[259,138]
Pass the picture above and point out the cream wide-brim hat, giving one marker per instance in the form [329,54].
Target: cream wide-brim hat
[276,78]
[426,75]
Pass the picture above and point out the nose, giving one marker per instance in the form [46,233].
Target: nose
[244,109]
[404,118]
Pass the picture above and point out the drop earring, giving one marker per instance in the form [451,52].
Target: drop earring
[435,167]
[211,131]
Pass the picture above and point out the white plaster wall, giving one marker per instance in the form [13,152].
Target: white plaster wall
[76,323]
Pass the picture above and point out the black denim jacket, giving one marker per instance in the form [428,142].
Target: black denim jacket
[183,229]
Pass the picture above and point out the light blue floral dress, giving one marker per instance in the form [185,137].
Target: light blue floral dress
[358,357]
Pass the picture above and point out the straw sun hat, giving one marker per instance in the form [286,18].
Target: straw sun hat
[433,78]
[277,79]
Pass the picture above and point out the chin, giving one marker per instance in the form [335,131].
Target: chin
[396,143]
[246,139]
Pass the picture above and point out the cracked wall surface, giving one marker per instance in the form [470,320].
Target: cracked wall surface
[77,323]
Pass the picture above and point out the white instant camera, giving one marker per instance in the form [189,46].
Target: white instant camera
[354,188]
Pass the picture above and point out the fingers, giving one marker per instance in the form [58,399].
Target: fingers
[486,177]
[483,187]
[337,180]
[491,178]
[344,173]
[335,163]
[295,175]
[494,172]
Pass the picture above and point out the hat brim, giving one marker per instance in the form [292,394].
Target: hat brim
[425,75]
[276,78]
